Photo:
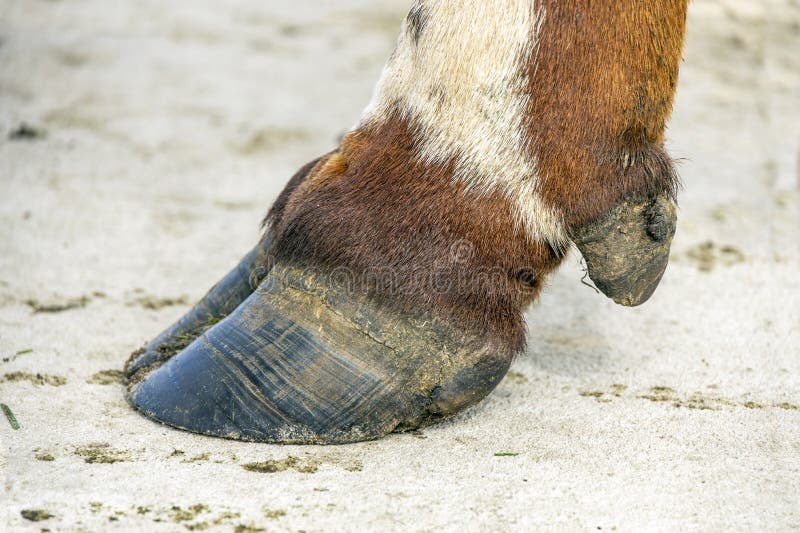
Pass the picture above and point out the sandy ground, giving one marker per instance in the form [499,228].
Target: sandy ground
[161,131]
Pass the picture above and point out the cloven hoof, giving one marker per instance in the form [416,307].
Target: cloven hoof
[276,353]
[305,360]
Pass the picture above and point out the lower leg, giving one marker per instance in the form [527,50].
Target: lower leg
[384,310]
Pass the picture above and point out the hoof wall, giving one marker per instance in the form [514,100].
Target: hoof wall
[304,361]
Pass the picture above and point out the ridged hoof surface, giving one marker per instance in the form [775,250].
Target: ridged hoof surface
[305,360]
[222,299]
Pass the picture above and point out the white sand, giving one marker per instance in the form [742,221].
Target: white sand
[171,126]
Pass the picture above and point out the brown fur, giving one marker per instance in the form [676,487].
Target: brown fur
[413,237]
[408,233]
[279,206]
[601,89]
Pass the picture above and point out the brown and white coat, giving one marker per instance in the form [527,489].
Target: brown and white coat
[498,128]
[388,292]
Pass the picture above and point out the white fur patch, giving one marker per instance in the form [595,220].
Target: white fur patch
[462,86]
